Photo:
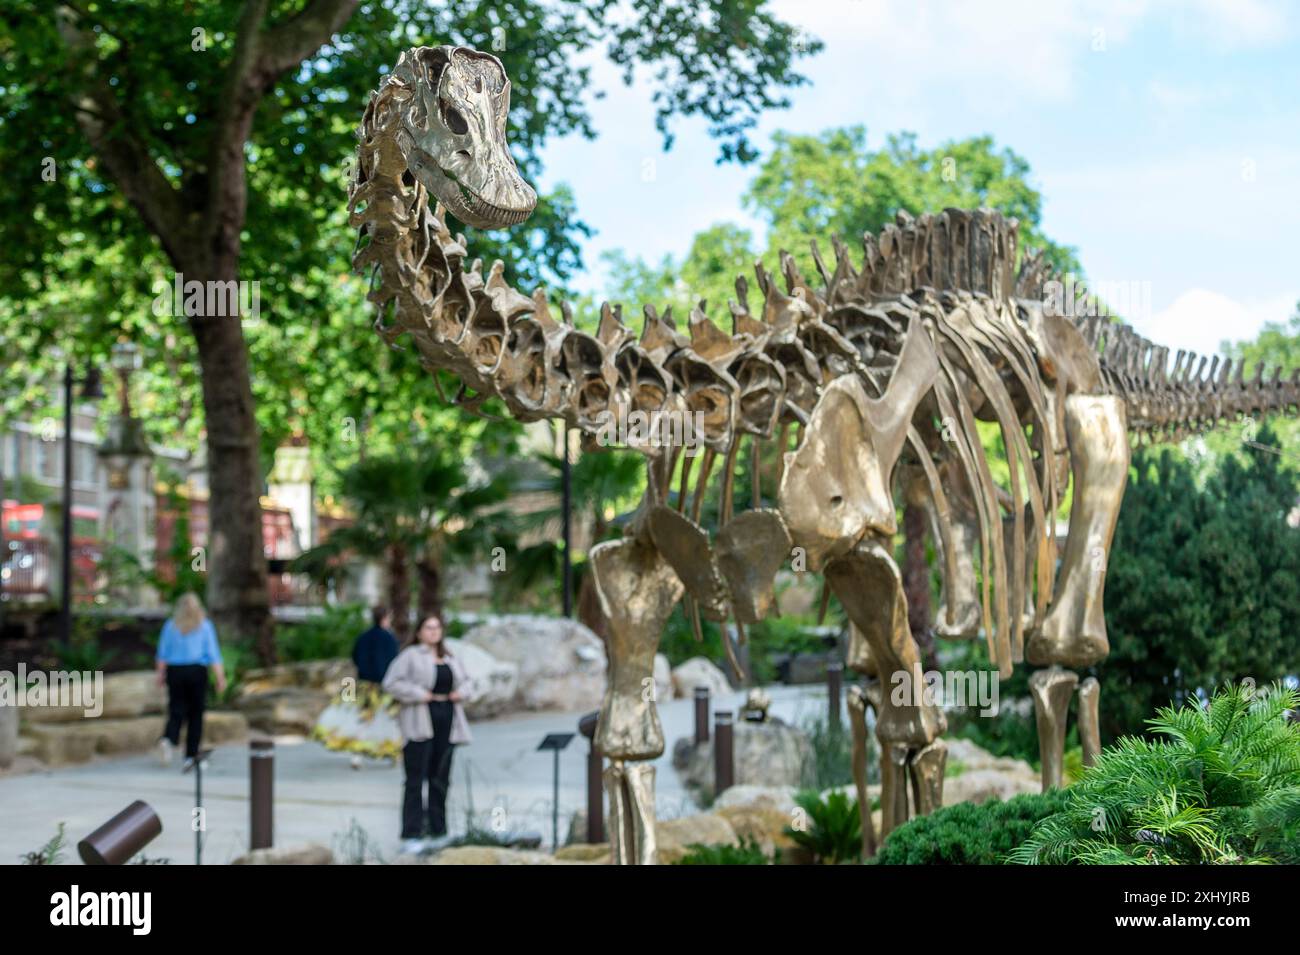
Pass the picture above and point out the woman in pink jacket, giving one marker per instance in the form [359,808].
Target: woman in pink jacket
[430,685]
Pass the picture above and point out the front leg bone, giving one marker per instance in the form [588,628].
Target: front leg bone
[1073,634]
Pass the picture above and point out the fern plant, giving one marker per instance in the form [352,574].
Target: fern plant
[49,854]
[1222,787]
[833,833]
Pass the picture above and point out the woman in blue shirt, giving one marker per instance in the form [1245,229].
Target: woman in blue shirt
[186,649]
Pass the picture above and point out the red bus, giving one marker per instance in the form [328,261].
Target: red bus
[29,561]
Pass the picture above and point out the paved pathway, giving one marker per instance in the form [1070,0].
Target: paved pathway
[319,797]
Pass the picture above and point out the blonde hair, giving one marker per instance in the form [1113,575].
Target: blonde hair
[188,614]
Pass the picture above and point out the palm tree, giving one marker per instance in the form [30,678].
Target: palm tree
[413,507]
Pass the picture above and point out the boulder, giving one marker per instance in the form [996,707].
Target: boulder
[584,852]
[133,693]
[778,798]
[326,676]
[493,683]
[966,755]
[700,671]
[663,678]
[117,737]
[307,853]
[286,710]
[771,753]
[981,785]
[976,775]
[62,744]
[561,664]
[673,836]
[223,726]
[763,824]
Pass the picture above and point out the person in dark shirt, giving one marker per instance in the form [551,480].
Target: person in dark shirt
[376,648]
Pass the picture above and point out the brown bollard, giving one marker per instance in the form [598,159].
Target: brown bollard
[701,715]
[595,782]
[834,685]
[724,757]
[261,778]
[116,841]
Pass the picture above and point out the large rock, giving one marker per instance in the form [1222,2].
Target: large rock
[62,744]
[763,824]
[326,676]
[495,683]
[584,852]
[223,726]
[133,693]
[663,679]
[778,798]
[700,671]
[771,753]
[308,853]
[126,694]
[976,775]
[285,711]
[561,663]
[673,836]
[981,785]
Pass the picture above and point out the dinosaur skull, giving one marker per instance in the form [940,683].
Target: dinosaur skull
[454,135]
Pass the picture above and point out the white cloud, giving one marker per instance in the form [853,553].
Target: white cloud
[1200,320]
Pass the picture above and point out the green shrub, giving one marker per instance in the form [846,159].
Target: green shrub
[325,637]
[237,658]
[747,853]
[1222,787]
[834,829]
[967,834]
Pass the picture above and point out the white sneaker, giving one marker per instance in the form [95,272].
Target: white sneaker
[412,847]
[434,843]
[166,751]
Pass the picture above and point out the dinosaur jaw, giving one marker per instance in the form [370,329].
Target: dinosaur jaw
[497,209]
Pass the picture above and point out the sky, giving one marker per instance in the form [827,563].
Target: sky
[1164,137]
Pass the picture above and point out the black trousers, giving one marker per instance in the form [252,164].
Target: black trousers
[187,695]
[428,762]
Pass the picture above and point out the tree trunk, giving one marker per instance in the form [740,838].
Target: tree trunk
[237,583]
[430,597]
[916,583]
[399,591]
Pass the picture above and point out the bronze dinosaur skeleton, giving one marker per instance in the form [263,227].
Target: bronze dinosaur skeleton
[883,372]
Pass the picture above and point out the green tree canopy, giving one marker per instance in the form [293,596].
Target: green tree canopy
[210,138]
[810,187]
